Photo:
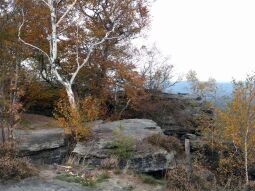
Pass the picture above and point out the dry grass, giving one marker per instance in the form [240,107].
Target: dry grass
[251,186]
[12,167]
[110,163]
[168,143]
[178,180]
[15,168]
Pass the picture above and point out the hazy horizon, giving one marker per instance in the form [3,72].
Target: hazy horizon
[214,38]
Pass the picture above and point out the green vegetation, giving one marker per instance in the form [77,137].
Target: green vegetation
[83,179]
[117,171]
[86,181]
[103,176]
[122,146]
[151,180]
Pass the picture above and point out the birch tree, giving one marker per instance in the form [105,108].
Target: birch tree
[72,28]
[155,69]
[239,119]
[10,71]
[205,89]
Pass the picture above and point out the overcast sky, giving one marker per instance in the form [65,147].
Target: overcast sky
[216,38]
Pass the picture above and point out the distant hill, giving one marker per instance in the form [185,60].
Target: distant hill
[224,90]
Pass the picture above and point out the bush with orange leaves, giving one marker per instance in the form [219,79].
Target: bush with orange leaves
[76,122]
[13,167]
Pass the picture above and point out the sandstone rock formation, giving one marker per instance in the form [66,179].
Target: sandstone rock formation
[146,158]
[42,145]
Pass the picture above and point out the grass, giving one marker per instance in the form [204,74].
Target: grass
[122,146]
[117,171]
[83,180]
[87,181]
[151,180]
[103,177]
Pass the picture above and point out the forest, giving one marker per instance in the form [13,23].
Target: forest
[83,108]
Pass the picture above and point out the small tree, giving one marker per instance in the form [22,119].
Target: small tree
[10,105]
[71,32]
[204,89]
[156,70]
[239,119]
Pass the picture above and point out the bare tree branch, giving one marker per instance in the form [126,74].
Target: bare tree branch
[89,54]
[126,106]
[45,3]
[67,11]
[26,43]
[77,48]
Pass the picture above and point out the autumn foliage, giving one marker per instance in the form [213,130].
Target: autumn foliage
[239,120]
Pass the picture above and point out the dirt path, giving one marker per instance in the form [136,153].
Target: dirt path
[39,184]
[46,181]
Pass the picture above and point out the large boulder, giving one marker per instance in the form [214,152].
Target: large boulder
[156,161]
[39,138]
[42,145]
[29,141]
[146,157]
[176,114]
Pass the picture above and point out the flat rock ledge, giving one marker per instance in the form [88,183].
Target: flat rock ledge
[42,145]
[146,158]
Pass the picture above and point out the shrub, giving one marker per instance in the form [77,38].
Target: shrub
[224,161]
[110,163]
[169,143]
[85,179]
[230,164]
[73,121]
[89,107]
[83,133]
[12,167]
[7,149]
[178,180]
[122,146]
[151,180]
[15,168]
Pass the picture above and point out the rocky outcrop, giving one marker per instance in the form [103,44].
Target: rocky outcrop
[181,109]
[42,145]
[29,141]
[145,158]
[155,161]
[48,181]
[175,113]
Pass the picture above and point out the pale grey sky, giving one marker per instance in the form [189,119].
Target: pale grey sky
[216,38]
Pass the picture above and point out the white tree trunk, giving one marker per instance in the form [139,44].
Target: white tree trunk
[53,56]
[54,45]
[246,161]
[71,98]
